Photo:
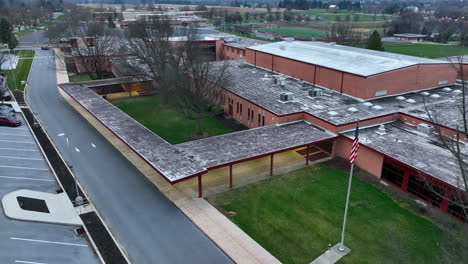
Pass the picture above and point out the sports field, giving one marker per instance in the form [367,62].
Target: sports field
[299,32]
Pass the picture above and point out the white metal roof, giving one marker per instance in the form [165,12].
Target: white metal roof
[357,61]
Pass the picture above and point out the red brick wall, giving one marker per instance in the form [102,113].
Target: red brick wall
[367,159]
[231,53]
[293,68]
[328,78]
[263,60]
[445,131]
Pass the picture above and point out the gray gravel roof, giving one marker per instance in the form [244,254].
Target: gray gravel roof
[357,61]
[232,147]
[413,148]
[177,162]
[258,86]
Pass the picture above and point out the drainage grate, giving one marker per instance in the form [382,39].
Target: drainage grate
[31,204]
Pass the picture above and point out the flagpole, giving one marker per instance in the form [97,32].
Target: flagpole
[341,247]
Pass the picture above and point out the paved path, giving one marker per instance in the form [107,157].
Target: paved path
[150,228]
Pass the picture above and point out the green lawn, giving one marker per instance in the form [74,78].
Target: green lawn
[425,50]
[295,216]
[331,15]
[22,69]
[166,122]
[299,32]
[80,78]
[24,32]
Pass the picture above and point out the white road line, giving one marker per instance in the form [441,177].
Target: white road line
[24,178]
[49,242]
[21,158]
[29,262]
[32,150]
[6,134]
[12,141]
[24,168]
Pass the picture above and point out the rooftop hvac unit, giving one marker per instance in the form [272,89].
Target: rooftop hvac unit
[316,92]
[286,97]
[425,128]
[281,81]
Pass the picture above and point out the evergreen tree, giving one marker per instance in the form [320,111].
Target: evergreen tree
[110,22]
[375,42]
[12,43]
[5,30]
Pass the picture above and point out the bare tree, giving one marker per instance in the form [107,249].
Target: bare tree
[3,58]
[179,65]
[96,44]
[453,143]
[342,33]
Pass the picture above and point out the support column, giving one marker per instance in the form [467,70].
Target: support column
[230,176]
[445,202]
[200,186]
[307,156]
[271,165]
[404,183]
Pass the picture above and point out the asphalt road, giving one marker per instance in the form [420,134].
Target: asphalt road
[36,38]
[150,228]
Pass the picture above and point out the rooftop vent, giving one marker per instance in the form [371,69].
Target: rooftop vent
[353,110]
[457,92]
[435,96]
[425,128]
[282,47]
[411,101]
[377,107]
[446,89]
[281,81]
[400,98]
[288,39]
[332,113]
[381,130]
[368,104]
[332,43]
[425,93]
[286,97]
[316,92]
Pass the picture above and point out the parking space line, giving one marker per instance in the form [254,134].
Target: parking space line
[33,150]
[24,168]
[29,262]
[49,242]
[25,178]
[16,135]
[21,158]
[13,141]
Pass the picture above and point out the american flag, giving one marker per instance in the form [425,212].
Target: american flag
[355,147]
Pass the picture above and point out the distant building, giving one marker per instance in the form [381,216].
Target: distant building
[409,37]
[333,7]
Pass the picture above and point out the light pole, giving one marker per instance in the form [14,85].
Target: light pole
[78,198]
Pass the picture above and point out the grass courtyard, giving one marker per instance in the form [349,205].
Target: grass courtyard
[167,122]
[22,69]
[425,50]
[296,215]
[300,32]
[332,15]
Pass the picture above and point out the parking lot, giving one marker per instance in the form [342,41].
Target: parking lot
[22,166]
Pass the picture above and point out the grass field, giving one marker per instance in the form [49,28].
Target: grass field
[22,69]
[299,32]
[295,216]
[332,15]
[425,50]
[166,122]
[80,78]
[24,32]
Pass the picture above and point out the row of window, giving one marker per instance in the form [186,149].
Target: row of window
[250,113]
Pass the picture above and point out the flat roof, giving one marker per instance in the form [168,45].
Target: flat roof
[409,35]
[176,162]
[356,61]
[414,149]
[258,86]
[246,144]
[242,43]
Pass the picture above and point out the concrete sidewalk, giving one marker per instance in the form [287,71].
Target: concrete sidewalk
[231,239]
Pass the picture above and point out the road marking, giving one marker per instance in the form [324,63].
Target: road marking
[24,168]
[21,158]
[29,262]
[32,150]
[49,242]
[24,178]
[14,135]
[13,141]
[77,149]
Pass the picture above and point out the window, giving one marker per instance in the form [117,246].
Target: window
[392,174]
[263,120]
[248,113]
[241,109]
[423,189]
[259,119]
[237,107]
